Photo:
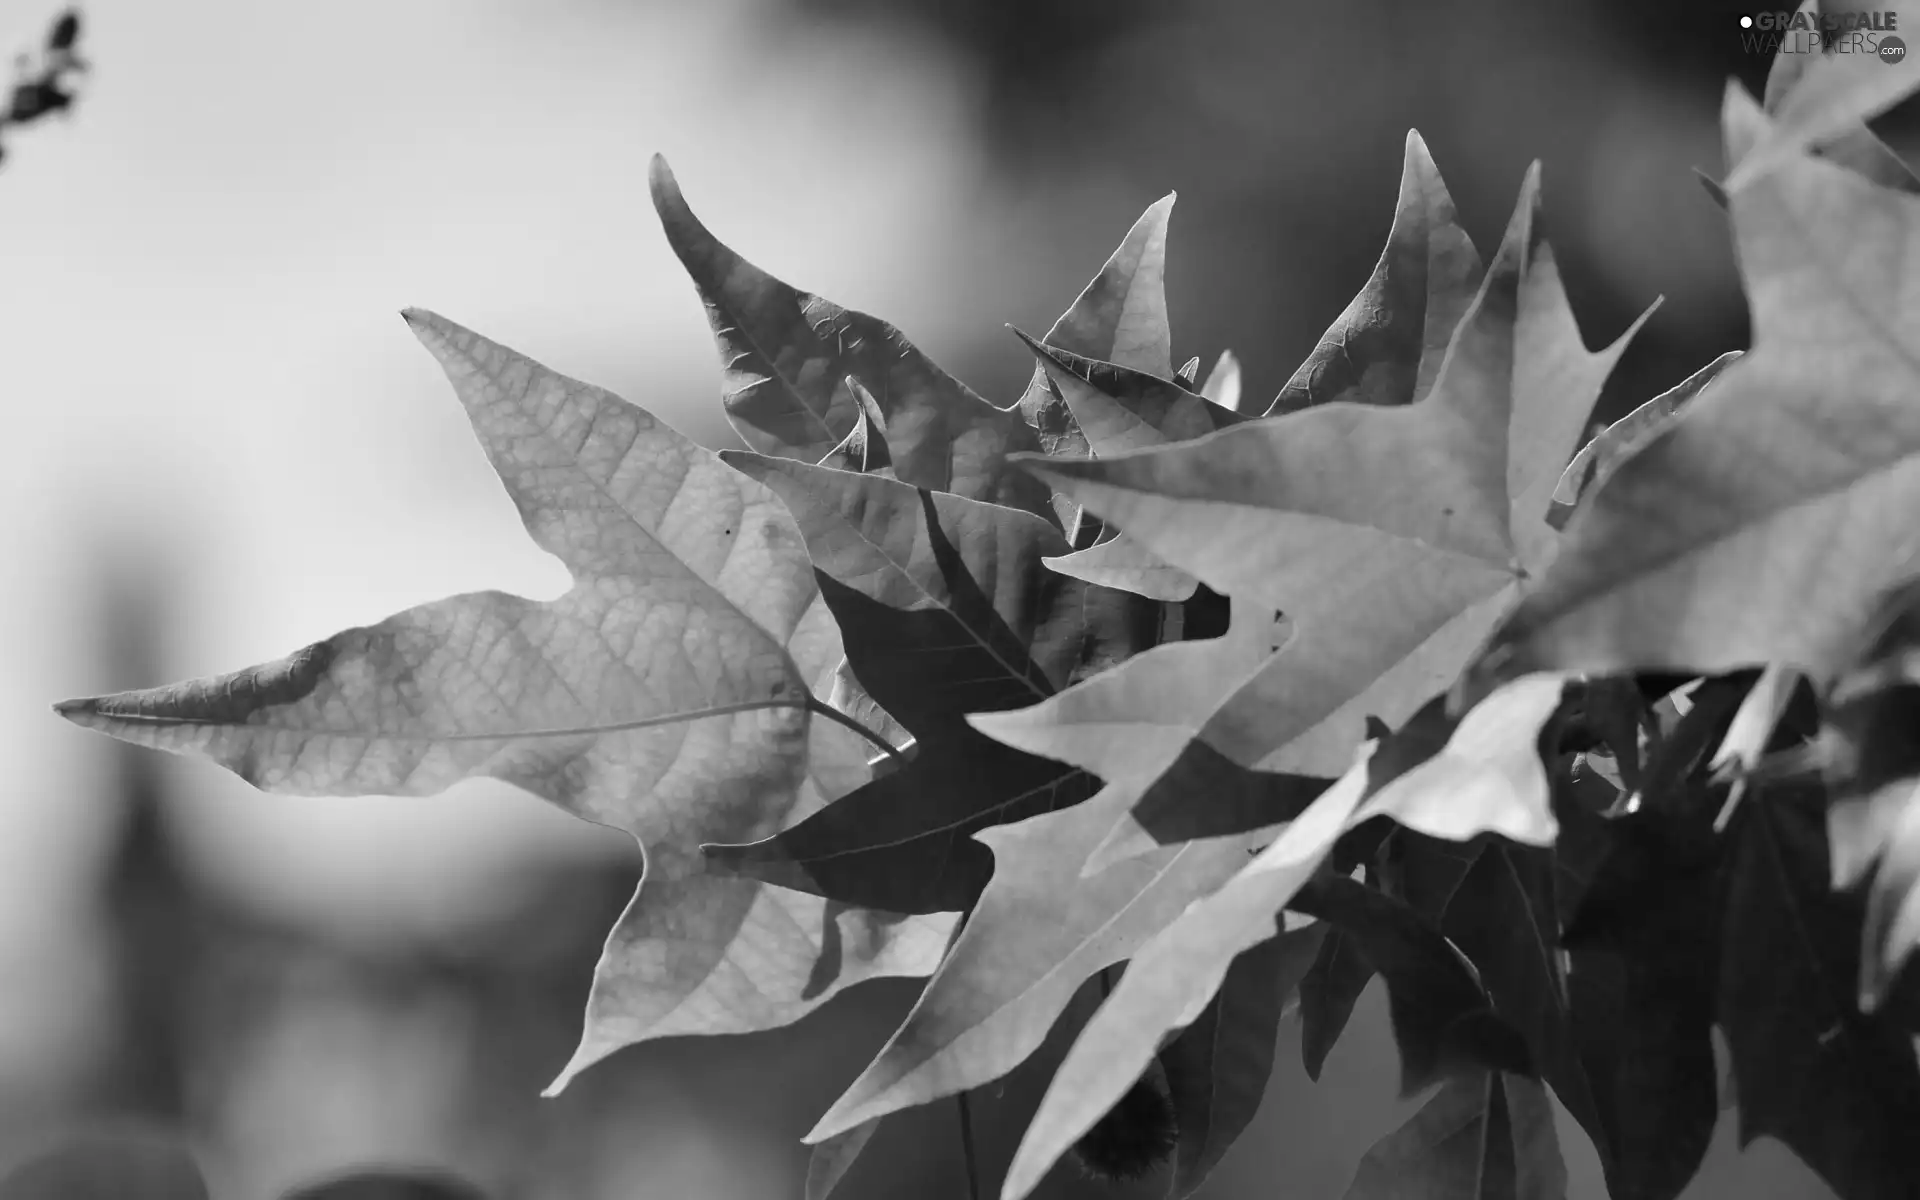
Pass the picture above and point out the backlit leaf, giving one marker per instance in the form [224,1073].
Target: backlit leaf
[1828,97]
[1121,317]
[1765,525]
[1386,347]
[947,610]
[1392,537]
[787,354]
[1222,384]
[656,696]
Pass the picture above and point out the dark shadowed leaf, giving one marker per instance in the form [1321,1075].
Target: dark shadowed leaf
[1217,1068]
[1038,932]
[1442,1018]
[1480,772]
[1440,1015]
[948,611]
[1838,1086]
[1484,1136]
[1503,916]
[1328,993]
[1641,969]
[1040,929]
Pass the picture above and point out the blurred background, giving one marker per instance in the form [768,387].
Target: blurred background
[223,445]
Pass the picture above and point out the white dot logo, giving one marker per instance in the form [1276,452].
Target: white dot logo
[1746,22]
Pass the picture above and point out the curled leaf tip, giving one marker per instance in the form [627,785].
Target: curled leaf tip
[76,710]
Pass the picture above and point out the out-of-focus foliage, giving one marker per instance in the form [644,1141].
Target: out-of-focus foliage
[44,84]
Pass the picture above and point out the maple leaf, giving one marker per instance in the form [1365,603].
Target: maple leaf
[1824,99]
[1387,346]
[1487,1136]
[1222,384]
[1866,754]
[1216,1070]
[864,449]
[830,1160]
[1117,409]
[656,695]
[1119,317]
[948,610]
[1039,930]
[1328,992]
[1483,778]
[1441,1016]
[1838,1086]
[1393,537]
[1641,935]
[1504,917]
[1218,1067]
[1681,930]
[787,354]
[1850,144]
[1425,278]
[1040,927]
[1598,458]
[1785,496]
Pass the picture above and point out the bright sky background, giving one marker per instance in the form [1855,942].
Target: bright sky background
[200,277]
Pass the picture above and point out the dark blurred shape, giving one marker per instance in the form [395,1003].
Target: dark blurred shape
[43,88]
[151,912]
[1135,1137]
[123,1164]
[36,98]
[65,32]
[398,1183]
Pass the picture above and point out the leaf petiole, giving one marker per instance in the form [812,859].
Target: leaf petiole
[816,705]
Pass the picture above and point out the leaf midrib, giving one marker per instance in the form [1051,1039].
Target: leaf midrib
[93,708]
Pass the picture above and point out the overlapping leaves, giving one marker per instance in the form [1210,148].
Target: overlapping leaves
[657,695]
[881,670]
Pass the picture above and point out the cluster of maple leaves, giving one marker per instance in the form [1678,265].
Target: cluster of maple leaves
[1584,752]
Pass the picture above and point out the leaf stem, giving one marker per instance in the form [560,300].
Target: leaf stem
[966,1146]
[816,705]
[966,1110]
